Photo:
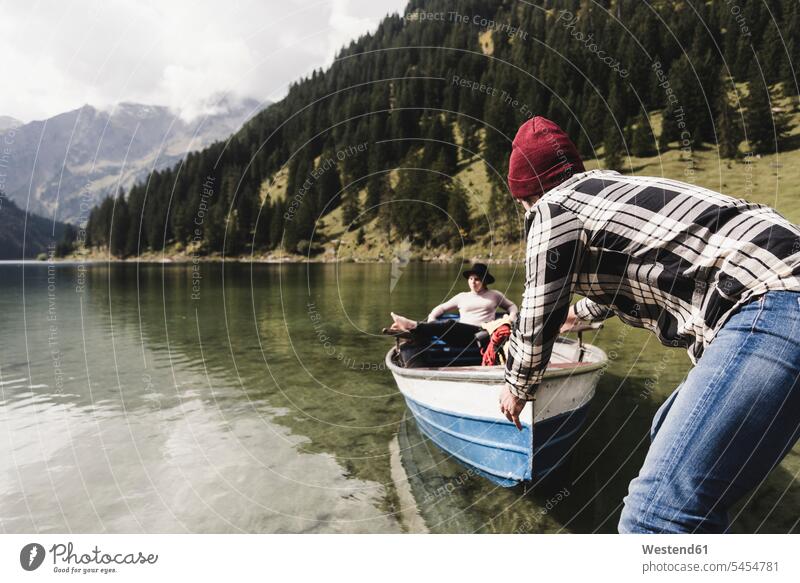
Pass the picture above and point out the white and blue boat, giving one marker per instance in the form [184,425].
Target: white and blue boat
[457,407]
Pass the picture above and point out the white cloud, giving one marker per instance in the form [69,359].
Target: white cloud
[347,21]
[59,55]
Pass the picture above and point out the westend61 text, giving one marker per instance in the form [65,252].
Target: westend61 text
[675,550]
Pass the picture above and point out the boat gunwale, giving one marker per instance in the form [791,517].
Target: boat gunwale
[493,374]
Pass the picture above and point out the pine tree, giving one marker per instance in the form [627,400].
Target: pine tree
[617,112]
[234,234]
[500,130]
[135,239]
[729,132]
[471,142]
[99,224]
[593,127]
[262,236]
[772,54]
[376,185]
[328,186]
[689,115]
[791,59]
[434,138]
[403,206]
[766,127]
[276,225]
[790,68]
[645,27]
[613,147]
[386,211]
[506,216]
[154,223]
[350,211]
[68,240]
[214,228]
[449,153]
[643,142]
[119,230]
[301,228]
[247,207]
[458,225]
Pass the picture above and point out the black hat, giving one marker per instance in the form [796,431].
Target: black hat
[481,271]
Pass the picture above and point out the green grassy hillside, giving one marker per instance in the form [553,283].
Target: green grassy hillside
[773,180]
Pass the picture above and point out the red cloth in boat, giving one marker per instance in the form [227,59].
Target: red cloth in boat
[491,353]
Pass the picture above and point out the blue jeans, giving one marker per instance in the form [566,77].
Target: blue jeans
[729,423]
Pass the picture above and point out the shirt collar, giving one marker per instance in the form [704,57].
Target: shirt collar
[566,184]
[580,176]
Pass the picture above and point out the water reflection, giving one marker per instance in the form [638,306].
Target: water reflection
[253,398]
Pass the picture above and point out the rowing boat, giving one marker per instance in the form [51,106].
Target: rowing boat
[456,406]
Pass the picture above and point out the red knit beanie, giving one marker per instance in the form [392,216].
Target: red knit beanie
[542,157]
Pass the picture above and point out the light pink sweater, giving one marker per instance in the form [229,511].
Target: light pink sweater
[476,308]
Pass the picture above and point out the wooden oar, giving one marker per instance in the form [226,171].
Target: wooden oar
[583,328]
[580,329]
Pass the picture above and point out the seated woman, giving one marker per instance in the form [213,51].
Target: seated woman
[475,307]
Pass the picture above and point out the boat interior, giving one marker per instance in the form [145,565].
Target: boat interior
[439,354]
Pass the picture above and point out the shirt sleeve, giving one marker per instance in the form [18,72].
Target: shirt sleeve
[590,311]
[556,240]
[508,306]
[450,304]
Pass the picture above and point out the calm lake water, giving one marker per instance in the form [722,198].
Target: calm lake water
[255,399]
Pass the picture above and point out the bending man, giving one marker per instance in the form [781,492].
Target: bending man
[704,271]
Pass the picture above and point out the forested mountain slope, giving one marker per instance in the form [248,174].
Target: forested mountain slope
[26,236]
[378,146]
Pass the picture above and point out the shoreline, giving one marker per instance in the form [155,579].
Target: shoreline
[506,254]
[266,260]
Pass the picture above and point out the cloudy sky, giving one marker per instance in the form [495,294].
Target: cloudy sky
[57,55]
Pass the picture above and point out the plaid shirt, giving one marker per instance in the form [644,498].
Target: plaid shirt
[660,254]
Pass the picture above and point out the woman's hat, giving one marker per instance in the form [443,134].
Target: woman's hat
[481,271]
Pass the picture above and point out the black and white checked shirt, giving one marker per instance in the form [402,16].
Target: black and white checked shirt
[660,254]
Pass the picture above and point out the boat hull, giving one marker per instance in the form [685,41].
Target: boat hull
[458,410]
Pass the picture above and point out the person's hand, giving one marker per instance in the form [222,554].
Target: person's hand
[511,406]
[571,321]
